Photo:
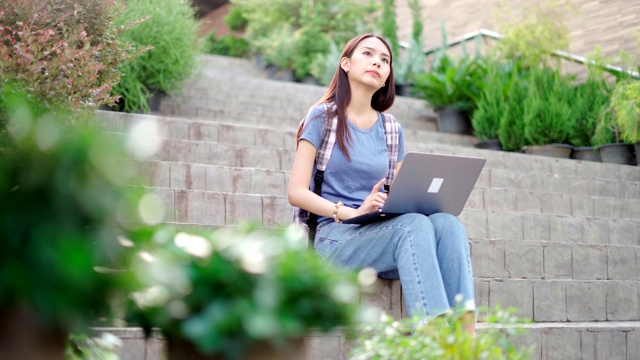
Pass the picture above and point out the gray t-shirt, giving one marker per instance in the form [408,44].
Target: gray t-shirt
[351,182]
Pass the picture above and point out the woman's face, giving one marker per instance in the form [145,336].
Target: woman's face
[370,63]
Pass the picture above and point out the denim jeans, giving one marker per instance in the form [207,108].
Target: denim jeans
[429,254]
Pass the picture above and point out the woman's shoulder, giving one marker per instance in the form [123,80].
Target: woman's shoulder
[319,111]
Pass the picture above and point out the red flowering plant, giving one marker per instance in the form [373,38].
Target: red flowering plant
[63,51]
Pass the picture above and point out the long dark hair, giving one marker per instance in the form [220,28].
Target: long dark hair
[339,92]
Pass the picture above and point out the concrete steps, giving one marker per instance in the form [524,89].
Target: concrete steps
[558,239]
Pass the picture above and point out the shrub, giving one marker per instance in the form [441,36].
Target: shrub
[440,338]
[171,31]
[493,102]
[228,290]
[589,97]
[309,26]
[511,129]
[61,190]
[62,51]
[547,113]
[228,45]
[625,101]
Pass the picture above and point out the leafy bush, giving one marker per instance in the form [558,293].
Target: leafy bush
[534,33]
[625,101]
[227,290]
[511,129]
[62,51]
[547,113]
[235,19]
[452,82]
[228,45]
[493,101]
[171,33]
[440,338]
[607,130]
[588,98]
[61,187]
[310,26]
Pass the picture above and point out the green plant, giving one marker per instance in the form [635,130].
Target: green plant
[493,102]
[228,290]
[235,19]
[62,192]
[279,48]
[451,82]
[440,338]
[228,45]
[511,128]
[324,65]
[62,52]
[535,32]
[82,347]
[302,30]
[171,33]
[607,130]
[412,62]
[587,100]
[547,113]
[625,102]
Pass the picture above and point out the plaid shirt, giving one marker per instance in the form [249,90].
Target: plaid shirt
[300,216]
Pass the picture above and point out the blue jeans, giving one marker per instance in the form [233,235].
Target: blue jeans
[429,254]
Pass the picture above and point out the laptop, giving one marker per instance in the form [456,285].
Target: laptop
[428,184]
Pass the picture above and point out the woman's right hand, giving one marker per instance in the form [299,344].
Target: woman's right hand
[374,201]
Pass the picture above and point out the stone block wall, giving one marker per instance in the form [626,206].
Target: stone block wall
[613,25]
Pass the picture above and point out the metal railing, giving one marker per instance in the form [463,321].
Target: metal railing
[480,33]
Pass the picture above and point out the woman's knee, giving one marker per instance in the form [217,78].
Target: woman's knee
[415,223]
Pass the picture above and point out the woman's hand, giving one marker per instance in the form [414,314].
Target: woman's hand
[374,201]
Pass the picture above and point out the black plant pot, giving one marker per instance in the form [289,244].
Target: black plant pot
[491,144]
[618,153]
[552,150]
[403,89]
[452,120]
[586,153]
[155,100]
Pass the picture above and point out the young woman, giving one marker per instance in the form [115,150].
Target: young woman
[429,254]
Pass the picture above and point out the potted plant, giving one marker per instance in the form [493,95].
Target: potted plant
[409,62]
[452,87]
[58,224]
[547,114]
[169,33]
[492,104]
[606,138]
[440,338]
[587,100]
[511,127]
[625,103]
[239,293]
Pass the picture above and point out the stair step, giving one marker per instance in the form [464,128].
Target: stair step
[615,340]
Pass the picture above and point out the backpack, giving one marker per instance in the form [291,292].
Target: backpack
[309,221]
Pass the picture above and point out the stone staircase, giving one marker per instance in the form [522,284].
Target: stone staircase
[558,239]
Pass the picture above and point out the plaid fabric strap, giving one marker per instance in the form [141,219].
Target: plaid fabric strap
[391,135]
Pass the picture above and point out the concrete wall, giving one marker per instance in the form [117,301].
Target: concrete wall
[611,24]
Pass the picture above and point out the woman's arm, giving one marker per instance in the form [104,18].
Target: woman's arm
[299,193]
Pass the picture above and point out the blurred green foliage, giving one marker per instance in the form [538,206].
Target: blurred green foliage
[440,338]
[62,196]
[227,290]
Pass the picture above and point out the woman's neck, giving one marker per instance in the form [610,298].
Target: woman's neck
[360,104]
